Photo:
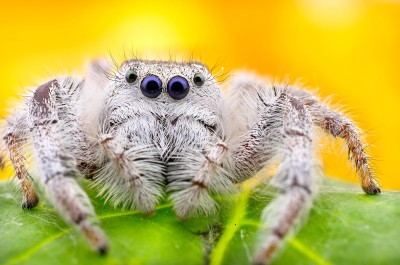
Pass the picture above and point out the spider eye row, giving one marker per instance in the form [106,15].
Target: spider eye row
[177,87]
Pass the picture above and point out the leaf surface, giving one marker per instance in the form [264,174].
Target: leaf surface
[344,227]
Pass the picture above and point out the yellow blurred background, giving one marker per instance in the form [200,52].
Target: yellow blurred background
[350,48]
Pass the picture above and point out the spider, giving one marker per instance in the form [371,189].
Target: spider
[161,128]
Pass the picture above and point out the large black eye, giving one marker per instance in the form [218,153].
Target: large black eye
[151,86]
[178,87]
[130,76]
[199,79]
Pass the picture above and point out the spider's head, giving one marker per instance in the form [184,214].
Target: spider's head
[167,89]
[166,81]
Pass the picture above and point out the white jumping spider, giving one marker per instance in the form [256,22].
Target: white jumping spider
[157,126]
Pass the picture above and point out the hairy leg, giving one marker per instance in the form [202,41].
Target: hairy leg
[340,126]
[258,145]
[14,138]
[246,91]
[80,136]
[57,170]
[193,196]
[282,128]
[257,105]
[141,170]
[294,179]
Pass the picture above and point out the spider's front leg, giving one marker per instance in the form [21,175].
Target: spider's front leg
[136,174]
[193,195]
[294,178]
[284,128]
[57,170]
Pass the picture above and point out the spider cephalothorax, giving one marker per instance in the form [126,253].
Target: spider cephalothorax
[154,128]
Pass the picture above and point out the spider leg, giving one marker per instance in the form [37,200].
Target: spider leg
[194,196]
[140,173]
[277,119]
[294,178]
[57,170]
[245,89]
[14,138]
[340,126]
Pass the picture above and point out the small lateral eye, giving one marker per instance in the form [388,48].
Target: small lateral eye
[130,76]
[199,79]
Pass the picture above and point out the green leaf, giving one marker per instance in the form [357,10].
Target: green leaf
[344,227]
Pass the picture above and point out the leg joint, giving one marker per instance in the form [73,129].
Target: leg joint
[296,185]
[199,184]
[42,109]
